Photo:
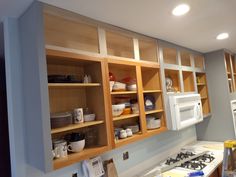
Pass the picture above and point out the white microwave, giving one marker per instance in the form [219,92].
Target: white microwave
[185,110]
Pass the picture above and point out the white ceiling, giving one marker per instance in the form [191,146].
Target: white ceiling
[196,30]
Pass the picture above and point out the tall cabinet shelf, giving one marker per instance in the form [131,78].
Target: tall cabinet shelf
[64,97]
[230,71]
[147,80]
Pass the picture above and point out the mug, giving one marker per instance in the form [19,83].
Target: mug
[76,146]
[60,148]
[78,116]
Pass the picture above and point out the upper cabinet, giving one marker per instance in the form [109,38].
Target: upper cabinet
[184,72]
[96,86]
[69,32]
[119,45]
[230,70]
[148,50]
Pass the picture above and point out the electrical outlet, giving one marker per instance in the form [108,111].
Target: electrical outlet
[126,155]
[74,175]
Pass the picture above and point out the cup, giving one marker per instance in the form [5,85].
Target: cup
[60,148]
[76,146]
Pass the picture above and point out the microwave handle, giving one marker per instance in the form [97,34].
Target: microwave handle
[198,111]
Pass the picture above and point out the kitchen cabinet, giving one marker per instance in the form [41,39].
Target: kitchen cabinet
[62,43]
[186,70]
[230,70]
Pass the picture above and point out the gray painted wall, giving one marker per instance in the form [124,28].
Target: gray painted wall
[219,126]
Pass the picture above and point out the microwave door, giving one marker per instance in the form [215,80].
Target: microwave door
[186,115]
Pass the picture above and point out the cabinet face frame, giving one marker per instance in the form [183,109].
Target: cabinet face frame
[229,60]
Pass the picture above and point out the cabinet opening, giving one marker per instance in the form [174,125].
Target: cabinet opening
[185,58]
[70,33]
[188,81]
[170,56]
[151,78]
[148,50]
[173,75]
[119,45]
[199,61]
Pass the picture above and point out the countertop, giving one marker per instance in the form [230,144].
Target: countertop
[215,147]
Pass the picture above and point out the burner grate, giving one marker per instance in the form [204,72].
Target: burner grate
[193,165]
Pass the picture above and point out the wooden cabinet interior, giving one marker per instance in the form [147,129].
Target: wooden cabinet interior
[185,58]
[199,61]
[203,91]
[148,50]
[119,45]
[188,81]
[174,76]
[70,33]
[148,83]
[150,79]
[65,99]
[170,55]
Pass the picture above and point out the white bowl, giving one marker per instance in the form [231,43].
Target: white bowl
[89,117]
[153,122]
[117,109]
[132,87]
[118,86]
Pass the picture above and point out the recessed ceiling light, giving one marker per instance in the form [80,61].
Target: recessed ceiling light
[222,36]
[180,9]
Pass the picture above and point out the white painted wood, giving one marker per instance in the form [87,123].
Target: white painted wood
[35,89]
[136,49]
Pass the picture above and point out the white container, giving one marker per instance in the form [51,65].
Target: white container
[118,86]
[89,117]
[153,122]
[60,148]
[117,109]
[78,115]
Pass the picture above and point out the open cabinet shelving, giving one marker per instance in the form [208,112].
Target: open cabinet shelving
[64,97]
[147,79]
[230,71]
[203,91]
[187,72]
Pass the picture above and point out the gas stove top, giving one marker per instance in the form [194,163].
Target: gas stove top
[189,160]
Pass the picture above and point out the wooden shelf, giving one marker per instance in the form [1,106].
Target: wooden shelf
[76,157]
[152,91]
[122,117]
[154,111]
[201,84]
[72,85]
[76,126]
[204,98]
[135,137]
[123,92]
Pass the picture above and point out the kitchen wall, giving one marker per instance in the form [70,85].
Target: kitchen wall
[219,127]
[143,154]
